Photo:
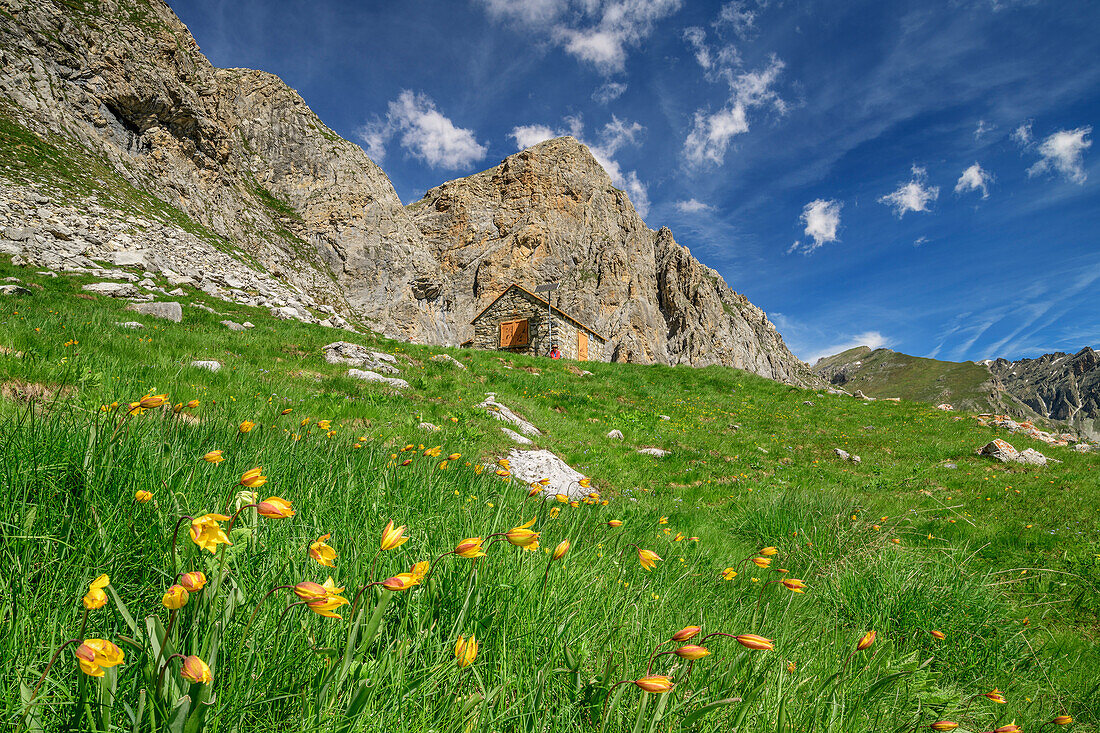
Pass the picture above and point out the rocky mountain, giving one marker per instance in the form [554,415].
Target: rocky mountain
[1057,387]
[116,130]
[1064,387]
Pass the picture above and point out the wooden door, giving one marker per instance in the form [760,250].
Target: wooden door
[582,346]
[514,334]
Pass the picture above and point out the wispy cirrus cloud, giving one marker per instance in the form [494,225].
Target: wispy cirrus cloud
[596,32]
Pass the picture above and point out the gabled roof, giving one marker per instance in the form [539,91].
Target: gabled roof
[544,303]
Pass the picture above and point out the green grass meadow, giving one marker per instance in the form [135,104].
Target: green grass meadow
[1003,561]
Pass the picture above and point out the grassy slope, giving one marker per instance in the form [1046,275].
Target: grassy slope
[886,373]
[752,465]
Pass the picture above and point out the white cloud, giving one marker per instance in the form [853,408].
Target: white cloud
[982,128]
[609,140]
[1022,134]
[822,220]
[739,17]
[1063,152]
[872,339]
[696,37]
[915,195]
[608,92]
[692,206]
[528,135]
[598,32]
[712,132]
[424,131]
[920,240]
[974,178]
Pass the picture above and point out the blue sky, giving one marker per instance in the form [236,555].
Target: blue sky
[918,175]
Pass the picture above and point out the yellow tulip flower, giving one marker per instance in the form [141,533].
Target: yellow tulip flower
[393,537]
[94,654]
[752,641]
[207,533]
[648,558]
[274,508]
[175,598]
[655,683]
[141,496]
[867,640]
[560,550]
[193,581]
[196,670]
[246,426]
[522,536]
[686,633]
[96,597]
[692,652]
[466,651]
[253,478]
[214,456]
[322,553]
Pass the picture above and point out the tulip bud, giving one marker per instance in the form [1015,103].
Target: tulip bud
[752,641]
[192,404]
[995,696]
[560,550]
[655,683]
[1010,728]
[793,584]
[939,634]
[534,491]
[769,551]
[214,456]
[307,590]
[246,426]
[944,725]
[143,496]
[196,670]
[686,633]
[470,548]
[287,411]
[692,652]
[400,582]
[867,640]
[275,508]
[151,401]
[615,523]
[193,581]
[175,598]
[522,536]
[1062,720]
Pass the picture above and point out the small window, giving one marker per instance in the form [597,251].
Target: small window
[514,334]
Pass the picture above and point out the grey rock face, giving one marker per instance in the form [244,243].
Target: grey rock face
[112,290]
[369,376]
[344,352]
[615,435]
[1059,386]
[447,359]
[169,310]
[133,325]
[233,325]
[14,290]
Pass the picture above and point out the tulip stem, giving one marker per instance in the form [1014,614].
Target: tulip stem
[654,655]
[252,618]
[167,633]
[83,625]
[431,568]
[359,593]
[607,697]
[160,676]
[175,535]
[234,517]
[49,666]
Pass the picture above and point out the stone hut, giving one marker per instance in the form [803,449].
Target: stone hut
[521,322]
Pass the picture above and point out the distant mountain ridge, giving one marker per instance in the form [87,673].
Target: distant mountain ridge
[1059,387]
[237,159]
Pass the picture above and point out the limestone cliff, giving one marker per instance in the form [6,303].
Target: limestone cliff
[142,129]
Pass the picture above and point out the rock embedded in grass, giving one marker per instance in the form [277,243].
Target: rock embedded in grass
[112,290]
[615,435]
[447,359]
[516,436]
[657,452]
[133,325]
[169,310]
[233,325]
[501,412]
[369,376]
[209,365]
